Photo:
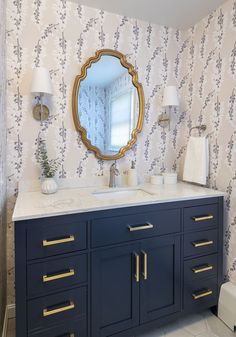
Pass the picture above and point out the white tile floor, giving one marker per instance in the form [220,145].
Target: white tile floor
[200,325]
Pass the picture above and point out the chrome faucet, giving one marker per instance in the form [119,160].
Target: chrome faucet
[114,172]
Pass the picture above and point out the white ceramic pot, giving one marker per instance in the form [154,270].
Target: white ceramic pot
[157,179]
[170,178]
[49,186]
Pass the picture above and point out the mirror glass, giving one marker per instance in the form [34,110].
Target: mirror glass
[108,105]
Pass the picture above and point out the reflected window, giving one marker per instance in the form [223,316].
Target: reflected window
[121,122]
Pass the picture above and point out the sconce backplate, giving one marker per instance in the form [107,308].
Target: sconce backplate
[40,112]
[164,120]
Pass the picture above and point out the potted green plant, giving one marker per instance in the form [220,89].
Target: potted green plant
[49,168]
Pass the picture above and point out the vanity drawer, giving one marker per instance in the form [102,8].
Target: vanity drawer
[200,217]
[201,243]
[53,275]
[113,230]
[201,294]
[76,328]
[48,239]
[54,309]
[202,267]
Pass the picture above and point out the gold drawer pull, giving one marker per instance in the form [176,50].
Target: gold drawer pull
[140,228]
[47,278]
[197,244]
[203,218]
[47,312]
[136,275]
[202,269]
[59,241]
[145,265]
[201,295]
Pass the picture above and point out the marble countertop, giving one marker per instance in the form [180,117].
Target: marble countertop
[32,205]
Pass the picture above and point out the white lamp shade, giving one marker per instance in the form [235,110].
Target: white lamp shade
[41,81]
[170,97]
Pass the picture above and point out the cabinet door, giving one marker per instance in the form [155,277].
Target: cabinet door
[160,278]
[115,290]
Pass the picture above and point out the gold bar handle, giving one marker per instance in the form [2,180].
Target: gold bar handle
[201,295]
[203,218]
[197,244]
[49,278]
[140,228]
[137,272]
[145,265]
[47,312]
[202,269]
[59,241]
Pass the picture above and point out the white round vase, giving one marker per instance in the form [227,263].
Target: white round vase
[49,186]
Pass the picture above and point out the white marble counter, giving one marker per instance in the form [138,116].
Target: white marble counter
[32,205]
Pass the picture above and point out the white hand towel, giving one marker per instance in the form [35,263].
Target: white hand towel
[196,165]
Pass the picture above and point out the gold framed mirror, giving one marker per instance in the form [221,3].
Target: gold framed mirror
[108,104]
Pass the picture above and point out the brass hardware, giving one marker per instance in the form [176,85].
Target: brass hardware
[197,244]
[40,112]
[75,111]
[47,312]
[59,241]
[201,295]
[47,278]
[164,120]
[145,265]
[202,269]
[203,218]
[137,278]
[140,228]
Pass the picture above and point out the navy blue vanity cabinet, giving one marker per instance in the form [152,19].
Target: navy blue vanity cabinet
[115,289]
[118,272]
[160,288]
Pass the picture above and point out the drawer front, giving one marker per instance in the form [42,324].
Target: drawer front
[56,274]
[52,239]
[200,217]
[54,309]
[201,243]
[76,328]
[201,294]
[113,230]
[202,267]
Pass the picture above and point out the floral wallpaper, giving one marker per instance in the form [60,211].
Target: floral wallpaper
[93,113]
[62,35]
[208,86]
[2,166]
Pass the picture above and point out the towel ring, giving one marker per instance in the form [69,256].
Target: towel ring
[200,128]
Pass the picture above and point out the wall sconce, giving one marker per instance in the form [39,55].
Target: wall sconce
[170,98]
[41,84]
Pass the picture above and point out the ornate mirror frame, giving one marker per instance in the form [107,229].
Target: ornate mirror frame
[75,111]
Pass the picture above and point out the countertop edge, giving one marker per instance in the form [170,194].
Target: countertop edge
[109,207]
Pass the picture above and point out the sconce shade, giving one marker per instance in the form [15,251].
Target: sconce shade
[41,81]
[170,97]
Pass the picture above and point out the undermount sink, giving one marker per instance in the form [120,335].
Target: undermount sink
[120,194]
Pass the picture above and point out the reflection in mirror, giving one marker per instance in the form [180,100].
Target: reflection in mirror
[108,105]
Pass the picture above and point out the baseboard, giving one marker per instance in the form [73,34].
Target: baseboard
[10,312]
[5,323]
[11,309]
